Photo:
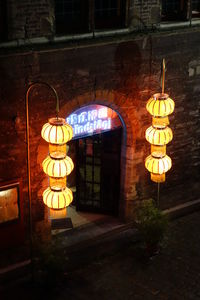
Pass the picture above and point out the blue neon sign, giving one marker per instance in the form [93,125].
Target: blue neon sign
[91,119]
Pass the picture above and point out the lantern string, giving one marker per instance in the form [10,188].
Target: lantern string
[95,85]
[158,195]
[163,76]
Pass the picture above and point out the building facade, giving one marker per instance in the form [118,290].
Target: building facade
[102,57]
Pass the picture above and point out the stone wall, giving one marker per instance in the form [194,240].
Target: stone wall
[29,19]
[144,14]
[126,73]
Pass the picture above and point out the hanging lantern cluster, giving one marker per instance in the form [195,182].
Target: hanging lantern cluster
[160,106]
[57,165]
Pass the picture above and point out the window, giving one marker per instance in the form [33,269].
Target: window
[9,202]
[109,14]
[196,8]
[78,16]
[3,21]
[174,10]
[71,16]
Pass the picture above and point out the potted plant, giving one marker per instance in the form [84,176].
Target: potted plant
[152,224]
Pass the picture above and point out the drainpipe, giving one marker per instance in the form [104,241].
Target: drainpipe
[190,14]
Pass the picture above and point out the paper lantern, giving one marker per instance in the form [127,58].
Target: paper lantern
[159,136]
[160,105]
[158,165]
[57,165]
[57,199]
[57,131]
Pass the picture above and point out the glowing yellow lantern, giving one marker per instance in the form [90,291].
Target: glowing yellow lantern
[57,199]
[57,165]
[159,134]
[57,131]
[160,105]
[158,166]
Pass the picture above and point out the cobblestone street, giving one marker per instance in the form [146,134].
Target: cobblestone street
[174,274]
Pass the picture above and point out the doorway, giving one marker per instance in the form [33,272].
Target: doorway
[96,152]
[98,172]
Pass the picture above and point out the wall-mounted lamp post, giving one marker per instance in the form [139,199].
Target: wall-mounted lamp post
[57,165]
[159,134]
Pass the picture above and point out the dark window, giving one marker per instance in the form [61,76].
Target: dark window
[71,16]
[3,21]
[76,16]
[109,14]
[174,10]
[196,8]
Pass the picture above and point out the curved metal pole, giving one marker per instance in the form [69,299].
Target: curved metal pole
[190,13]
[31,86]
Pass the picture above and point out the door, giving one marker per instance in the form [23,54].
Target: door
[98,172]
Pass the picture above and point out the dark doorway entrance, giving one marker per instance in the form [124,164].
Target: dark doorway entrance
[98,172]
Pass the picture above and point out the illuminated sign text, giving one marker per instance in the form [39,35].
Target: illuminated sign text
[89,120]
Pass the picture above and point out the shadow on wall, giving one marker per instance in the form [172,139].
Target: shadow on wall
[128,64]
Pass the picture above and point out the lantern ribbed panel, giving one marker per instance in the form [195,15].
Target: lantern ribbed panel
[57,167]
[57,199]
[160,105]
[158,165]
[159,136]
[57,134]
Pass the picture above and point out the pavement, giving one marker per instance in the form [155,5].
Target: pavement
[117,268]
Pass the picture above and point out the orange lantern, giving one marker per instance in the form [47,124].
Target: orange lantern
[159,134]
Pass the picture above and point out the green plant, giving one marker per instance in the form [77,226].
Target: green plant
[49,263]
[151,223]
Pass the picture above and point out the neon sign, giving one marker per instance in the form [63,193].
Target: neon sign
[91,119]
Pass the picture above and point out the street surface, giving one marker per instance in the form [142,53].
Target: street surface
[174,274]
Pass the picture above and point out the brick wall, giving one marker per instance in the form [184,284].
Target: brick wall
[144,14]
[28,19]
[126,73]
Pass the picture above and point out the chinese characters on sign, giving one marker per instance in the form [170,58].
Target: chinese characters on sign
[90,120]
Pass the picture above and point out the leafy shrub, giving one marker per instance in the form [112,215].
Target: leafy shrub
[151,223]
